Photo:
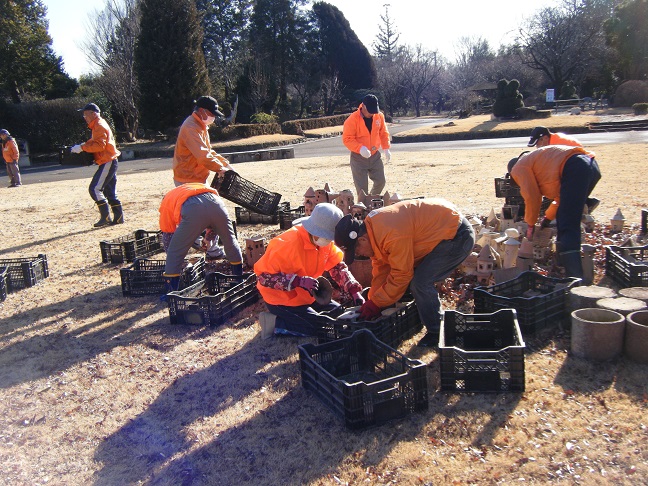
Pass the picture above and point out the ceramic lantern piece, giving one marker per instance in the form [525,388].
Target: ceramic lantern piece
[617,221]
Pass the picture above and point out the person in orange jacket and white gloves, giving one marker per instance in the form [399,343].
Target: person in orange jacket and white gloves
[413,244]
[103,186]
[184,213]
[11,154]
[287,274]
[364,133]
[193,156]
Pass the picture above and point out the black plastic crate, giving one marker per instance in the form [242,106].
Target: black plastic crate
[628,266]
[392,329]
[25,272]
[481,352]
[644,221]
[286,218]
[363,380]
[519,201]
[245,216]
[540,301]
[3,283]
[139,244]
[145,277]
[235,188]
[506,187]
[66,157]
[214,300]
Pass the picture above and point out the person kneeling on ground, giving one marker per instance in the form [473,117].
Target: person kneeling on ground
[287,274]
[411,243]
[184,213]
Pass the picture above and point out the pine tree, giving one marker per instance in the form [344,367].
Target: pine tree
[386,44]
[169,61]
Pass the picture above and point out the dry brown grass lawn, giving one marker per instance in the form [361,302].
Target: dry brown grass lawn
[101,389]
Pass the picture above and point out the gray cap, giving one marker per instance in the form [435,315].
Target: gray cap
[322,221]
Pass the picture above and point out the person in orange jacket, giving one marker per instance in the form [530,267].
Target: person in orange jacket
[193,157]
[364,133]
[412,243]
[542,136]
[184,213]
[103,186]
[288,270]
[11,155]
[567,175]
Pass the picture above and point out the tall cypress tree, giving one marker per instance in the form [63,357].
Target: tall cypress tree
[169,61]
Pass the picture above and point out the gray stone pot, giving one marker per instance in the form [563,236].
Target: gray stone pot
[597,334]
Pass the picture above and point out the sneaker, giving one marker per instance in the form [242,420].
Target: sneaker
[592,204]
[267,322]
[431,339]
[215,252]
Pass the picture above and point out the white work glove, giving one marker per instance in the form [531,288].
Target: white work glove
[387,154]
[365,152]
[76,149]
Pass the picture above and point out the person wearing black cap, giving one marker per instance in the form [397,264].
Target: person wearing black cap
[542,136]
[364,133]
[103,186]
[411,243]
[11,154]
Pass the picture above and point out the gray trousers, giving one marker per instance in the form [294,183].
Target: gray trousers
[214,244]
[14,173]
[199,212]
[364,169]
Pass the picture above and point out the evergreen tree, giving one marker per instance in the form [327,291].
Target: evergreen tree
[627,32]
[169,62]
[28,65]
[386,44]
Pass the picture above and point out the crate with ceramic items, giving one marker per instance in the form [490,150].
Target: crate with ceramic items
[212,301]
[397,323]
[540,301]
[145,277]
[627,266]
[481,352]
[286,218]
[506,187]
[25,272]
[362,380]
[231,186]
[139,244]
[3,283]
[245,216]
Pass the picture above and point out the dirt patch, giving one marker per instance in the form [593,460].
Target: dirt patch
[101,389]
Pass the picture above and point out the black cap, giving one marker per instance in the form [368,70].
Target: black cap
[5,132]
[371,103]
[536,134]
[209,104]
[90,107]
[346,236]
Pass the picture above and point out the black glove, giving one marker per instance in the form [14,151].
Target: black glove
[545,223]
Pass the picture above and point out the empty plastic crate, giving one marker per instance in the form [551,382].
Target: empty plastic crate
[25,272]
[214,300]
[363,380]
[540,301]
[519,201]
[391,329]
[235,188]
[506,187]
[481,352]
[245,216]
[66,157]
[139,244]
[628,266]
[286,217]
[145,277]
[3,283]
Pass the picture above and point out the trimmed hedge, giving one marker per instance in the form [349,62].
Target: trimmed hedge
[640,108]
[243,131]
[297,127]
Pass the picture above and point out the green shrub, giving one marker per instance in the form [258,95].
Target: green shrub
[508,98]
[237,131]
[630,92]
[264,118]
[640,108]
[297,127]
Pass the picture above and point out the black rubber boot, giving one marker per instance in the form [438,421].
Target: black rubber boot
[118,213]
[572,263]
[104,219]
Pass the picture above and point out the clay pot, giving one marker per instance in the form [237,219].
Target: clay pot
[636,337]
[597,334]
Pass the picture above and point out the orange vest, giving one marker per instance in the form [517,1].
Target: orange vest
[355,133]
[172,204]
[102,143]
[292,252]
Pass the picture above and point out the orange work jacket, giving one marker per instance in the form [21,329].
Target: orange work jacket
[562,139]
[171,205]
[538,174]
[193,156]
[401,235]
[355,133]
[10,151]
[102,144]
[292,252]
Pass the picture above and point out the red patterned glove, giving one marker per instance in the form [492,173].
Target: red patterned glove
[307,283]
[358,299]
[529,233]
[369,311]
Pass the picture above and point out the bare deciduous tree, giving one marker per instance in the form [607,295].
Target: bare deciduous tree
[419,69]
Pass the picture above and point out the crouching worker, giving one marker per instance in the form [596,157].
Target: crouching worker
[287,275]
[411,243]
[185,212]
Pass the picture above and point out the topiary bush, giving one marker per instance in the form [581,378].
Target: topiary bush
[508,98]
[631,92]
[568,91]
[640,108]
